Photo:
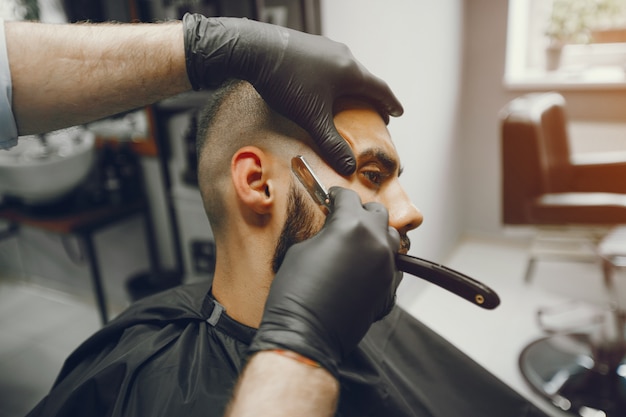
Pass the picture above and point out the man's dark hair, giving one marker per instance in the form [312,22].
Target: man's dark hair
[211,108]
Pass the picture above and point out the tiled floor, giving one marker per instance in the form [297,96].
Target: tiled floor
[40,327]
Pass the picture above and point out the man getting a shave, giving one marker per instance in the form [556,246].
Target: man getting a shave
[300,317]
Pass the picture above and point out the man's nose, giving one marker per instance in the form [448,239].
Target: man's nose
[403,215]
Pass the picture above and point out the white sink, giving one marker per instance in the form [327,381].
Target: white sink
[37,173]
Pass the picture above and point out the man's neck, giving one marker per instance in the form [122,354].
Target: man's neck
[241,282]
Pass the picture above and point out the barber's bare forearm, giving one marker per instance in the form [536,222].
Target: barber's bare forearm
[273,385]
[64,75]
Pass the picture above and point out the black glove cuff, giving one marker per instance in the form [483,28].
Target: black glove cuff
[205,58]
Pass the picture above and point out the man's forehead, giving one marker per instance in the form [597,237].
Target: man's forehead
[366,133]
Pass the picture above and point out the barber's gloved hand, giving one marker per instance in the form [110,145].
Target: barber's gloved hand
[332,287]
[299,75]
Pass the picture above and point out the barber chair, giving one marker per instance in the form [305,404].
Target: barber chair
[544,185]
[577,206]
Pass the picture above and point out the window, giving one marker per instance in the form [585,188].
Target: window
[566,43]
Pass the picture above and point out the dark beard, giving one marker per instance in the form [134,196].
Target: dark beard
[301,224]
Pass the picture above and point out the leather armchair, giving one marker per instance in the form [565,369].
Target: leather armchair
[543,184]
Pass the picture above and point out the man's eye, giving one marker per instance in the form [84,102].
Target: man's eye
[375,177]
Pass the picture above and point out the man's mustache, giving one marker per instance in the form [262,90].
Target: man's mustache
[405,243]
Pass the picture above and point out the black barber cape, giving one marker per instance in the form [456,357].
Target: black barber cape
[178,354]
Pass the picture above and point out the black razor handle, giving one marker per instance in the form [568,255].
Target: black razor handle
[465,287]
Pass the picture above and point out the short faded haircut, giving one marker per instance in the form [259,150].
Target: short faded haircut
[236,116]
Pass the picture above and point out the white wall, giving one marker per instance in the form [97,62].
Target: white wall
[416,47]
[483,96]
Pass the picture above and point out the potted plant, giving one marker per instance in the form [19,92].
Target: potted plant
[572,21]
[568,23]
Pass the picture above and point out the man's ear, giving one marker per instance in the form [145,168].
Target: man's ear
[249,171]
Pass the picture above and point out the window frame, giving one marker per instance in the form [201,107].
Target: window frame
[584,66]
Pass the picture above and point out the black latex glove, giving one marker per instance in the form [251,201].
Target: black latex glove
[332,287]
[299,75]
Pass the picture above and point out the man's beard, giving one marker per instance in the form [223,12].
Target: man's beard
[302,223]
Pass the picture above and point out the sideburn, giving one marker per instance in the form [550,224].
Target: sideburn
[300,225]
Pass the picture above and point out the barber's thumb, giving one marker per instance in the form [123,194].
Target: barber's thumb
[386,101]
[343,199]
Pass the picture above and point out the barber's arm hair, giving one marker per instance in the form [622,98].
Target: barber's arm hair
[65,75]
[277,386]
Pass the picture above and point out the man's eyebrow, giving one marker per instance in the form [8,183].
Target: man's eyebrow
[388,162]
